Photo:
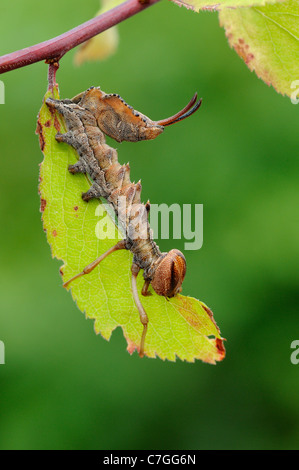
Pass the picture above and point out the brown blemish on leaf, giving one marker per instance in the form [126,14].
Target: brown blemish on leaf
[266,77]
[43,204]
[242,49]
[221,348]
[61,271]
[211,315]
[56,121]
[54,233]
[39,132]
[131,346]
[180,3]
[48,123]
[183,308]
[192,319]
[57,124]
[76,208]
[212,7]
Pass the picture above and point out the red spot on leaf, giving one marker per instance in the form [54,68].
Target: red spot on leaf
[43,204]
[54,233]
[242,49]
[48,123]
[221,348]
[76,208]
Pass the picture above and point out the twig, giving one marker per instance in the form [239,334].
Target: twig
[54,49]
[53,67]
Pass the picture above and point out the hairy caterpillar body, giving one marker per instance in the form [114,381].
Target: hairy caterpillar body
[90,116]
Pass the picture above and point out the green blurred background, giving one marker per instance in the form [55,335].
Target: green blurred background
[62,386]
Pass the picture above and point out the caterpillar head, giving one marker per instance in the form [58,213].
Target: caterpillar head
[121,122]
[169,274]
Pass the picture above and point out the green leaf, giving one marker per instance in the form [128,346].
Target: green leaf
[267,39]
[181,327]
[214,5]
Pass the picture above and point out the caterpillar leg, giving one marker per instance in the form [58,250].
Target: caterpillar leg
[143,316]
[68,137]
[78,167]
[119,246]
[145,288]
[95,191]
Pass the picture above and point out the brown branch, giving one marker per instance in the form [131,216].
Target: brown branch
[54,49]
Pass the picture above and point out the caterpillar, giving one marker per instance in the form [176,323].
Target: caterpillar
[90,116]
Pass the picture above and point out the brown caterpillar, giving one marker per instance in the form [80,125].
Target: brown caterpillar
[89,116]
